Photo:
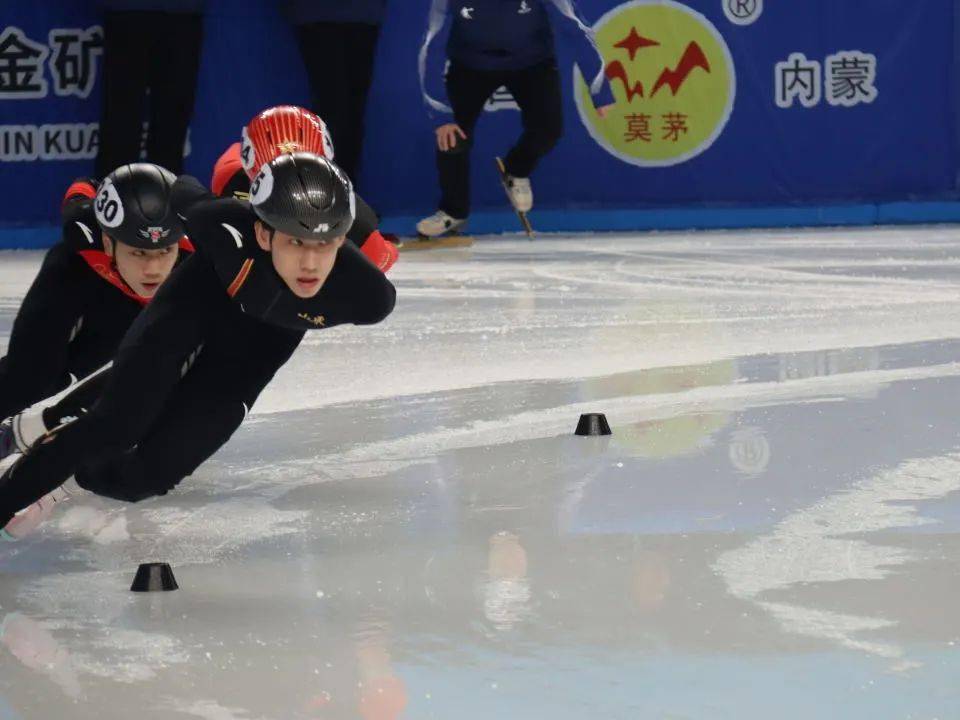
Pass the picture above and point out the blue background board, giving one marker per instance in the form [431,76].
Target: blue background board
[892,160]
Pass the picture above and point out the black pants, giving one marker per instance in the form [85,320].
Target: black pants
[339,61]
[156,51]
[181,383]
[536,90]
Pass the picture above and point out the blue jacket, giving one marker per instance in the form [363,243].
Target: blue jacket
[369,12]
[178,6]
[499,34]
[510,35]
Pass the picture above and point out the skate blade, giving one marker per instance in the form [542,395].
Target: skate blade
[525,221]
[425,243]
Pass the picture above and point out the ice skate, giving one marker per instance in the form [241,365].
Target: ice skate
[440,230]
[21,431]
[438,225]
[520,194]
[8,444]
[30,518]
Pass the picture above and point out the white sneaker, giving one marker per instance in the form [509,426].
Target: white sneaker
[520,193]
[439,224]
[30,518]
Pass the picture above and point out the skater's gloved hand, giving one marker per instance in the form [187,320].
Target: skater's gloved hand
[380,251]
[447,136]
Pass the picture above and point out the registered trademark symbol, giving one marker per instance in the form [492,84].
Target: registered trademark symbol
[743,12]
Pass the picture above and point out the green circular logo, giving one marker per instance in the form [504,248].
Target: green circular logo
[673,83]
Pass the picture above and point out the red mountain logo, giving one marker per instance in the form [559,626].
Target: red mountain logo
[674,78]
[693,58]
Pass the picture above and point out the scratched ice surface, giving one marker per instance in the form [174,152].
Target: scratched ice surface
[406,526]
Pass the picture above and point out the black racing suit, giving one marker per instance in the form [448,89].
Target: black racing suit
[193,363]
[74,314]
[363,233]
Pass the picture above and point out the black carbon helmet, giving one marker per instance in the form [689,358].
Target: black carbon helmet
[133,207]
[304,195]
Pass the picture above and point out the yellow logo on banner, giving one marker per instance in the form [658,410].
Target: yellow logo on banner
[672,78]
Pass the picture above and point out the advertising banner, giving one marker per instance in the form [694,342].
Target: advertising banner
[729,105]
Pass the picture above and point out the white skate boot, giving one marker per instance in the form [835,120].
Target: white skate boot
[439,224]
[19,433]
[30,518]
[520,193]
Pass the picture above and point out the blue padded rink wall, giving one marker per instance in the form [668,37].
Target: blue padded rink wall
[820,114]
[406,527]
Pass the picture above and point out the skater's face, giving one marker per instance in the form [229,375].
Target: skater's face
[303,264]
[143,270]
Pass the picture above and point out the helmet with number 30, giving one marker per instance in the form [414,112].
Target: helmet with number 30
[133,206]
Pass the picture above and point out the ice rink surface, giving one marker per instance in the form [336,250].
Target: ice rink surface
[406,526]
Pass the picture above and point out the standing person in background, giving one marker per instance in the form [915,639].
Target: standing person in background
[496,43]
[148,45]
[338,41]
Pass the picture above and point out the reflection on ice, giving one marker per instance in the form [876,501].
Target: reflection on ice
[35,647]
[749,450]
[809,547]
[507,588]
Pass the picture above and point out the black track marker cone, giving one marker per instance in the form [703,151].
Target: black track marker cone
[154,577]
[593,424]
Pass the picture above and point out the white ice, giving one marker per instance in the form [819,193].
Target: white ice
[406,526]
